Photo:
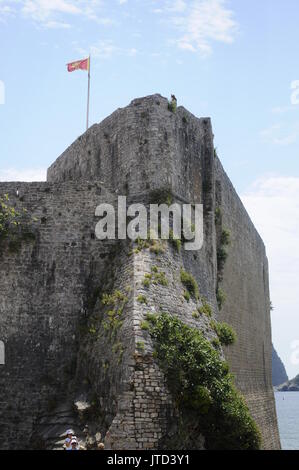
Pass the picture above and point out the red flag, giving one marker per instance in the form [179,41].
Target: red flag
[79,65]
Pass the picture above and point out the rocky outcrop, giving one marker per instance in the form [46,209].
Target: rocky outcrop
[290,385]
[279,374]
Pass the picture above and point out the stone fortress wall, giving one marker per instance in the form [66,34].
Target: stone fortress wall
[51,317]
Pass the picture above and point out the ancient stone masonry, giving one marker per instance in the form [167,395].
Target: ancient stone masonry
[72,308]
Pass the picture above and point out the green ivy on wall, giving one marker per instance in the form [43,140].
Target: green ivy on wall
[202,387]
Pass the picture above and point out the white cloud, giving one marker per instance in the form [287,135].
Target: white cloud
[42,10]
[282,109]
[202,23]
[6,9]
[177,6]
[101,50]
[27,174]
[186,46]
[158,11]
[198,24]
[273,204]
[281,134]
[105,49]
[132,52]
[52,13]
[57,25]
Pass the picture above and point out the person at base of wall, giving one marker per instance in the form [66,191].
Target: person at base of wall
[74,444]
[69,436]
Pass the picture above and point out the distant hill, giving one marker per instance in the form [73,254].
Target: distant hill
[279,375]
[290,385]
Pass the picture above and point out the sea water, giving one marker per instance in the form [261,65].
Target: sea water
[287,408]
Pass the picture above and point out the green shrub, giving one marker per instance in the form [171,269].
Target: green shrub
[156,247]
[140,345]
[225,333]
[113,323]
[195,315]
[216,343]
[114,298]
[221,252]
[221,255]
[172,106]
[160,278]
[15,225]
[92,330]
[186,295]
[190,283]
[225,237]
[156,277]
[113,317]
[146,282]
[144,325]
[151,317]
[221,258]
[141,244]
[9,217]
[147,279]
[202,387]
[142,299]
[221,297]
[205,309]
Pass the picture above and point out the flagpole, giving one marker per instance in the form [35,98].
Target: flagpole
[88,95]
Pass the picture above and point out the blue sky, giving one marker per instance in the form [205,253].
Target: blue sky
[233,60]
